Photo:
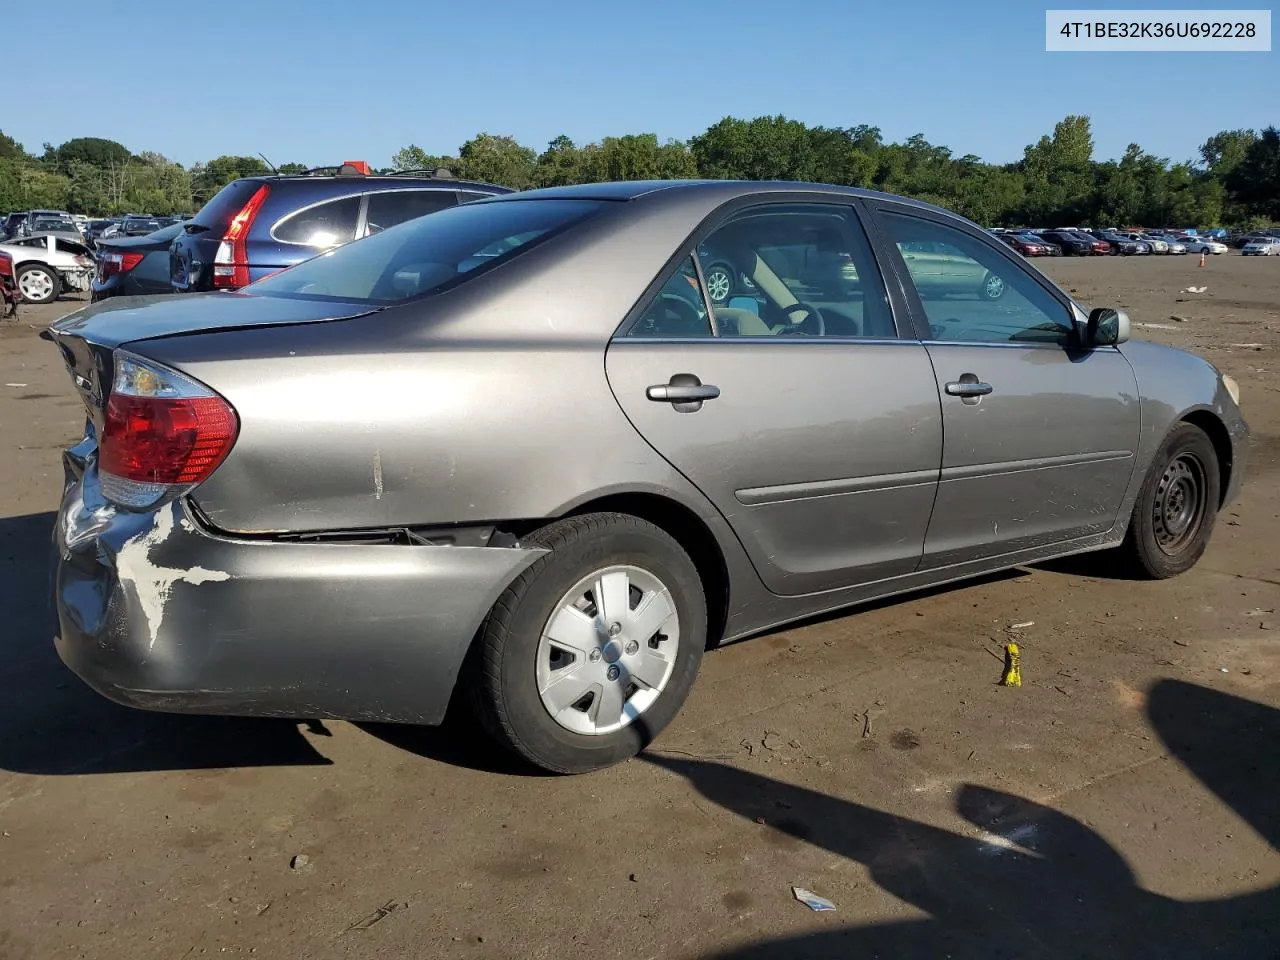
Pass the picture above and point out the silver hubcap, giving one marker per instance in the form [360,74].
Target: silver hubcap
[36,285]
[718,285]
[608,650]
[995,286]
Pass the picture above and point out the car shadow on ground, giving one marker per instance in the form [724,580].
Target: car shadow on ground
[1049,886]
[51,723]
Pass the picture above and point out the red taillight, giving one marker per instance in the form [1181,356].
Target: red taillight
[6,266]
[231,263]
[113,263]
[163,434]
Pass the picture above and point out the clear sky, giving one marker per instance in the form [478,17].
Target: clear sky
[321,81]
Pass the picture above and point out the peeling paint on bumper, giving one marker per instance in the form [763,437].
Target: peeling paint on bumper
[157,613]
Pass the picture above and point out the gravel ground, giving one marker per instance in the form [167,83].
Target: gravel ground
[1121,803]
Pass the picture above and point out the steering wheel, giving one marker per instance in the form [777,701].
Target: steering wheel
[795,330]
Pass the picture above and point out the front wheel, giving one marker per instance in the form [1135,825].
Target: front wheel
[1176,507]
[39,283]
[590,653]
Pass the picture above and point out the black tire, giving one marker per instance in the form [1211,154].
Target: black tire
[1186,460]
[54,279]
[502,675]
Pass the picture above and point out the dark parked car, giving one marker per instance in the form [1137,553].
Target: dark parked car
[138,226]
[512,450]
[1024,244]
[1121,245]
[257,226]
[1072,243]
[134,266]
[10,226]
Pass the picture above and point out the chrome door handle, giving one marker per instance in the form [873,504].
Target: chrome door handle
[685,392]
[969,388]
[963,389]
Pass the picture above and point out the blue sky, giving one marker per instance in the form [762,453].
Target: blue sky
[323,81]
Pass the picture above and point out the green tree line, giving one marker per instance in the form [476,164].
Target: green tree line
[1235,181]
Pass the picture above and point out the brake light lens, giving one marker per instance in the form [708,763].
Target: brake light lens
[164,434]
[112,264]
[231,263]
[6,266]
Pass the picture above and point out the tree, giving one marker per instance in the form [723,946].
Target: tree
[560,164]
[413,157]
[10,149]
[1226,150]
[497,159]
[94,151]
[1058,172]
[766,148]
[211,177]
[1256,180]
[288,168]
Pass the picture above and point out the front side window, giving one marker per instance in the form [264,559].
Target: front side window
[428,254]
[323,225]
[397,206]
[972,293]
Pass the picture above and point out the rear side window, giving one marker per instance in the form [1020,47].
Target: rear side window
[225,204]
[397,206]
[428,254]
[322,225]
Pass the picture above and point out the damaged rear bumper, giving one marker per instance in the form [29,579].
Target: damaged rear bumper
[156,612]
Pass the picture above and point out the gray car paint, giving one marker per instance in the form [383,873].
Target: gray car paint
[489,405]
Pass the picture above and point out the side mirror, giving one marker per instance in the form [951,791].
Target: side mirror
[1107,327]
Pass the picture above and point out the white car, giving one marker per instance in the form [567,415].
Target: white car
[47,265]
[1204,245]
[1157,246]
[1176,246]
[1262,247]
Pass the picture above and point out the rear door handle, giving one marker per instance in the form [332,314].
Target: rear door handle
[968,388]
[685,392]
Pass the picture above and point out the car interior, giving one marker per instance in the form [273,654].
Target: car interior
[806,282]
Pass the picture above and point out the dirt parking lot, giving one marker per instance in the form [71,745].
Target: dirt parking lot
[1121,803]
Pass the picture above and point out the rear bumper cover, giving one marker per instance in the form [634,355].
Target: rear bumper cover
[156,612]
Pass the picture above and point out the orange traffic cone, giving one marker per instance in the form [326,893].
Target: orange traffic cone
[1202,258]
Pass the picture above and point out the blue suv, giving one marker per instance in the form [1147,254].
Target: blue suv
[256,226]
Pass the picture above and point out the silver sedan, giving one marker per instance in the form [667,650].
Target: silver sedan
[515,454]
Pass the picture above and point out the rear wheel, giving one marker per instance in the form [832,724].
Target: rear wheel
[592,651]
[39,283]
[1176,507]
[992,287]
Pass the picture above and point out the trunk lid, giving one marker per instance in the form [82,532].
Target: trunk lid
[88,338]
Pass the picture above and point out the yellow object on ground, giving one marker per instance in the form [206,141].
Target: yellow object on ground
[1012,666]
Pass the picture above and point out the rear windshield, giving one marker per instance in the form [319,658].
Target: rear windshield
[429,253]
[225,204]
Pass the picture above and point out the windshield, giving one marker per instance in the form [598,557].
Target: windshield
[429,253]
[54,226]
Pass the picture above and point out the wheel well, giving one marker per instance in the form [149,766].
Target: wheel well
[1221,440]
[688,529]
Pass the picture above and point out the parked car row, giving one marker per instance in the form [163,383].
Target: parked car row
[1080,242]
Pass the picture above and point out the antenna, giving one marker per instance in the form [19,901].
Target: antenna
[269,164]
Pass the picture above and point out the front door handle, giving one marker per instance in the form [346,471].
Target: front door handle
[968,388]
[685,392]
